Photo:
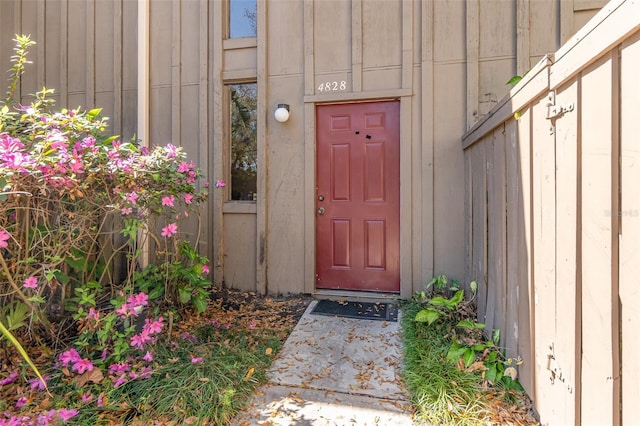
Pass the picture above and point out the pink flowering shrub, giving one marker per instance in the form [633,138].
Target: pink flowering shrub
[67,190]
[77,210]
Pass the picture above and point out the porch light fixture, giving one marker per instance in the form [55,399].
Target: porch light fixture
[282,113]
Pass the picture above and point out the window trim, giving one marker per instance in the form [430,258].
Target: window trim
[226,98]
[226,35]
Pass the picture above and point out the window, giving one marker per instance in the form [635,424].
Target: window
[243,112]
[242,18]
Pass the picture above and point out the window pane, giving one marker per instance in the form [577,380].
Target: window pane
[242,18]
[243,105]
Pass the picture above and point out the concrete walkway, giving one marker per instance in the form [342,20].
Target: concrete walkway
[334,371]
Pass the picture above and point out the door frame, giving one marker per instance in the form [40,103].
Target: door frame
[405,195]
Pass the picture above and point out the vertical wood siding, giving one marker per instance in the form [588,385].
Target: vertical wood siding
[556,240]
[85,51]
[448,62]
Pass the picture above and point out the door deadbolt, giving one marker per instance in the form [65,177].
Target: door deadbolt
[320,197]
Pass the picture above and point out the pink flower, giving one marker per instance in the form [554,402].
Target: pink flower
[31,282]
[4,236]
[188,198]
[82,366]
[22,401]
[125,211]
[76,166]
[36,384]
[100,401]
[183,167]
[88,142]
[132,197]
[11,378]
[66,414]
[146,372]
[252,325]
[148,357]
[205,269]
[46,418]
[153,327]
[93,314]
[140,299]
[87,397]
[188,336]
[119,368]
[168,200]
[123,310]
[120,381]
[196,360]
[139,340]
[220,184]
[69,356]
[171,151]
[169,230]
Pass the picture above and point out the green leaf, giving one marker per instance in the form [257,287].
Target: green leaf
[512,384]
[478,347]
[454,354]
[496,336]
[457,298]
[491,373]
[438,301]
[184,294]
[473,286]
[514,80]
[469,357]
[200,304]
[156,292]
[466,324]
[62,277]
[94,112]
[428,315]
[76,261]
[36,299]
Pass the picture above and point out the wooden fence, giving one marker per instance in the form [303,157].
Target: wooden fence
[552,179]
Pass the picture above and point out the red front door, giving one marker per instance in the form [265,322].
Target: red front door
[358,196]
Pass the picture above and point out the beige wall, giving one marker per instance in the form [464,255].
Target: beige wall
[447,61]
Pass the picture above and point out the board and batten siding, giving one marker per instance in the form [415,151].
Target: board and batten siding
[553,219]
[88,52]
[446,61]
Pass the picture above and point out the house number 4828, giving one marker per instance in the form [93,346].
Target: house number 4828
[332,86]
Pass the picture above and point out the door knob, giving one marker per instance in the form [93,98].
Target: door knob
[320,210]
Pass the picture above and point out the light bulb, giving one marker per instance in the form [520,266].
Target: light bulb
[282,113]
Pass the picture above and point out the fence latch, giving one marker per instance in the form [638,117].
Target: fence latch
[555,111]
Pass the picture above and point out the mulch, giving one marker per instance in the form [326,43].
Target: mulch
[249,310]
[279,314]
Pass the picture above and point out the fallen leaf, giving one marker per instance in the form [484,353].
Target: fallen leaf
[268,351]
[191,420]
[94,376]
[249,374]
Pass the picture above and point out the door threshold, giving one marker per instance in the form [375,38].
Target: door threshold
[356,296]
